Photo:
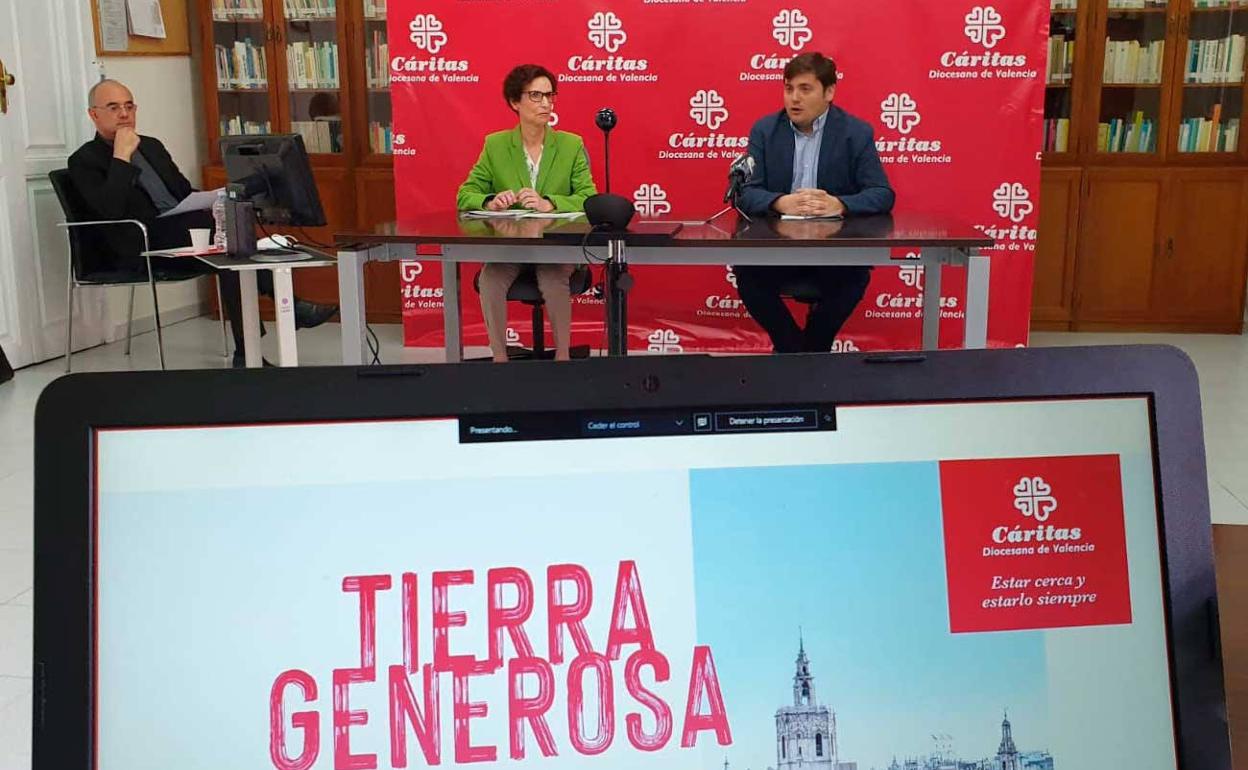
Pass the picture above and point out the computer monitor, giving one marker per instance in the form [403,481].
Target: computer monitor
[980,559]
[276,177]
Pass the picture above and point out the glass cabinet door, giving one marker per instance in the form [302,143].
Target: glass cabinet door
[1059,89]
[1131,94]
[377,71]
[313,74]
[240,33]
[1212,101]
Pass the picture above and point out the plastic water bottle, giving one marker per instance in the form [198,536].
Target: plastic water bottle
[218,220]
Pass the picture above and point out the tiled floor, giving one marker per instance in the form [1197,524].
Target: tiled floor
[1221,360]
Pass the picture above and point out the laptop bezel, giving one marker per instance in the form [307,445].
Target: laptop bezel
[72,409]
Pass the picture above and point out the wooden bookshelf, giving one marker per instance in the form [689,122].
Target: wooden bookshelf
[345,121]
[1154,238]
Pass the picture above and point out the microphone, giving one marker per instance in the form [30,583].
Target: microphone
[739,172]
[606,119]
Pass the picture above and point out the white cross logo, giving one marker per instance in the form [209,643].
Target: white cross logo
[731,277]
[844,346]
[650,200]
[1033,497]
[554,119]
[427,32]
[791,28]
[664,341]
[1012,201]
[707,109]
[606,31]
[410,271]
[983,26]
[900,113]
[513,336]
[912,276]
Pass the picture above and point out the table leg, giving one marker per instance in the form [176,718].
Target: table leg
[351,301]
[933,265]
[978,272]
[284,306]
[452,319]
[251,318]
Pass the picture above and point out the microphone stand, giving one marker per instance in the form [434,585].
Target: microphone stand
[606,158]
[615,274]
[735,183]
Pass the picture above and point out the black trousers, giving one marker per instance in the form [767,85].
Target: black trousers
[841,289]
[172,232]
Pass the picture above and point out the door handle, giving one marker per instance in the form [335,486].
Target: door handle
[6,80]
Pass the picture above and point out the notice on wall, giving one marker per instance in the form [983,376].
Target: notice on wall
[113,25]
[146,18]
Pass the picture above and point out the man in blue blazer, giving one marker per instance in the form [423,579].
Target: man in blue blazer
[811,159]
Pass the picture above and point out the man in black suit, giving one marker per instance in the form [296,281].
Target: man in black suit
[811,159]
[122,175]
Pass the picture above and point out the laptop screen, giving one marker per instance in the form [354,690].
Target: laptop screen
[919,586]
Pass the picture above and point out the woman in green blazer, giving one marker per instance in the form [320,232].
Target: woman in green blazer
[531,166]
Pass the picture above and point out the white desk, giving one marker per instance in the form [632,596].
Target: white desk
[283,299]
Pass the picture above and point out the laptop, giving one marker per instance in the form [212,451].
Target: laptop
[841,562]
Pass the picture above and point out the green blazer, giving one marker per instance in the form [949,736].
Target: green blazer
[563,178]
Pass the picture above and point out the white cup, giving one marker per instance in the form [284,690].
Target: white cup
[201,238]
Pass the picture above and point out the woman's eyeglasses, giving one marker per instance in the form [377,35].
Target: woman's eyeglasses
[538,96]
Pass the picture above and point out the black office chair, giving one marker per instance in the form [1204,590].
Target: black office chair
[525,289]
[82,274]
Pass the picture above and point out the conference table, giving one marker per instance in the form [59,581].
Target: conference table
[854,241]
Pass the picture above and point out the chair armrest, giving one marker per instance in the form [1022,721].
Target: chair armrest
[142,227]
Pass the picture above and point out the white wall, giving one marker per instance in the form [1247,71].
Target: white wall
[168,92]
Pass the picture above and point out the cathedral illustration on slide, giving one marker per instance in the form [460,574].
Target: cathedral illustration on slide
[806,738]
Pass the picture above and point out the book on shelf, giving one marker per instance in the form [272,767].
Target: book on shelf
[1057,135]
[1219,60]
[319,136]
[1212,134]
[231,10]
[241,66]
[375,9]
[1063,5]
[381,138]
[1061,59]
[236,126]
[1135,5]
[377,60]
[1126,61]
[1216,3]
[312,65]
[1133,134]
[311,9]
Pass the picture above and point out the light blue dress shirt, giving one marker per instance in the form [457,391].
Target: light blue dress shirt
[806,155]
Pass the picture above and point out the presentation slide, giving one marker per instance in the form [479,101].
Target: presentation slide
[907,587]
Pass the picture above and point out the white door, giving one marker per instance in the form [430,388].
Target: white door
[44,44]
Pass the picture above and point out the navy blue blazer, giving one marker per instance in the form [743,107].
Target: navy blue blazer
[849,166]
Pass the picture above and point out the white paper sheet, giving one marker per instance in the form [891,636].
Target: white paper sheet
[146,18]
[196,201]
[113,35]
[520,214]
